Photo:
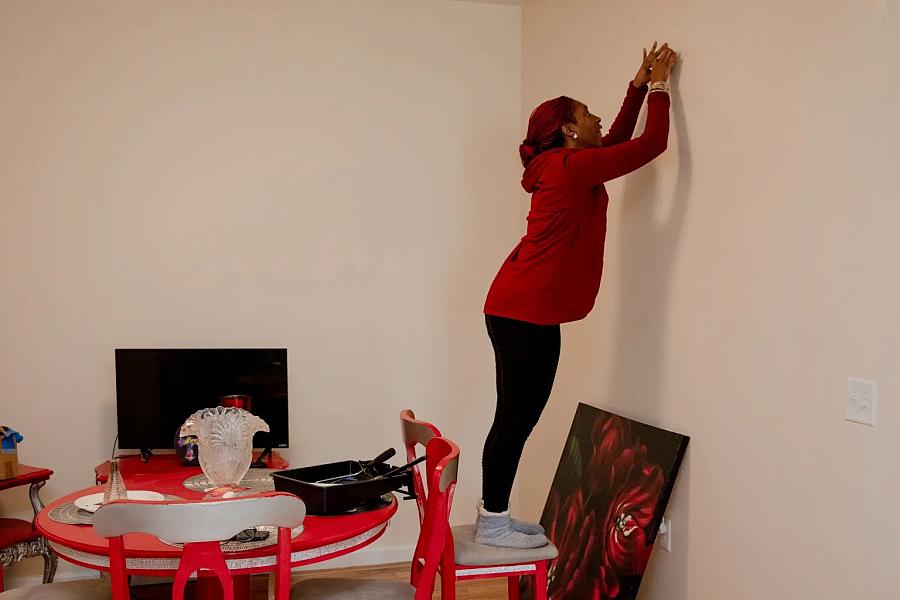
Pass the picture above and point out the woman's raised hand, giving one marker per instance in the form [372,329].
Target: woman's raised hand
[643,74]
[662,64]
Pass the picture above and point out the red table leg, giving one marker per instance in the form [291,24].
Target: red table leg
[208,587]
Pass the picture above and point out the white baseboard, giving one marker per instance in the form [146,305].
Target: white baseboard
[363,558]
[381,555]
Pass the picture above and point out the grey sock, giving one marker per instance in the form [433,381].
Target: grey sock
[517,525]
[495,529]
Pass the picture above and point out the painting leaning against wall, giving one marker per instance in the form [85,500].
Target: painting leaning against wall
[606,503]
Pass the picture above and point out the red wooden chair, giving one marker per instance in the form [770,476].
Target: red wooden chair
[441,468]
[464,559]
[200,526]
[19,539]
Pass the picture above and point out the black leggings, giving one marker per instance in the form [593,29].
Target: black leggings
[526,355]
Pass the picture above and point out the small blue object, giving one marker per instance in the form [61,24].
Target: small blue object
[9,438]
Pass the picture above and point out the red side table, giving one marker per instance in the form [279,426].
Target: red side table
[18,538]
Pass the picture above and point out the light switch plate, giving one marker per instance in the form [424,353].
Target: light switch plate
[862,399]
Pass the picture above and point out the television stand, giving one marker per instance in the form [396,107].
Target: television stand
[146,453]
[260,462]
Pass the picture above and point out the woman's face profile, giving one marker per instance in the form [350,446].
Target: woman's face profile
[587,126]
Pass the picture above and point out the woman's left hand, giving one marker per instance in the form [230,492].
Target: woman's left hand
[643,74]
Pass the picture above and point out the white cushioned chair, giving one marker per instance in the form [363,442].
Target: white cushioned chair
[463,558]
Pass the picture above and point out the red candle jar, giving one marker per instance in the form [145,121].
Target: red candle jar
[237,401]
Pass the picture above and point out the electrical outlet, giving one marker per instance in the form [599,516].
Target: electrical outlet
[862,398]
[665,534]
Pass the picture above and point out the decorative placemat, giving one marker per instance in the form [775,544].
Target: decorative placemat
[69,514]
[257,480]
[234,546]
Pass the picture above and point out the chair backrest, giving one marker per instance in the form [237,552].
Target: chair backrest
[200,526]
[441,469]
[416,433]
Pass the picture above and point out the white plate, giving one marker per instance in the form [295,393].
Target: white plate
[92,502]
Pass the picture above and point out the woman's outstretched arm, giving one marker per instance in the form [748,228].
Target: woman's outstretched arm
[593,166]
[623,126]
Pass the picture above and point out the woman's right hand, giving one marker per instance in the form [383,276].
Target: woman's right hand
[662,64]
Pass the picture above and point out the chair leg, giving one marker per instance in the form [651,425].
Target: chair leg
[512,584]
[540,581]
[206,556]
[448,586]
[50,564]
[448,577]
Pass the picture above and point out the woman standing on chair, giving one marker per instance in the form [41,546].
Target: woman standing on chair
[553,275]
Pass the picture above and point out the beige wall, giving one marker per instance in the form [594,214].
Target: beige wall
[750,271]
[339,178]
[331,177]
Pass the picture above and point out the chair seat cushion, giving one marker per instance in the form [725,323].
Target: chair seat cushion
[352,589]
[83,589]
[469,553]
[13,531]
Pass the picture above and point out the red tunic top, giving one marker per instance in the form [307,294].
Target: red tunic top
[552,276]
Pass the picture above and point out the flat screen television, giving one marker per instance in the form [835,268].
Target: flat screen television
[157,389]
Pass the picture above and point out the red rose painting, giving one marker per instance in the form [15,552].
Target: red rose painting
[609,494]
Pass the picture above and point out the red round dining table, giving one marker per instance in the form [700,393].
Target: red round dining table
[322,538]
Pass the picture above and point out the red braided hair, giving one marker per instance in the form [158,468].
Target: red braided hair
[544,127]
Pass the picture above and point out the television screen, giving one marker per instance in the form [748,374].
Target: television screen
[156,390]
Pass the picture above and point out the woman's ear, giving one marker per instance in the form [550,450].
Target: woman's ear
[568,130]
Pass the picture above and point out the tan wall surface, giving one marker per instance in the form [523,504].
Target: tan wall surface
[323,176]
[750,271]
